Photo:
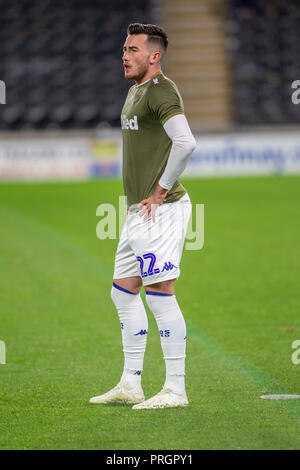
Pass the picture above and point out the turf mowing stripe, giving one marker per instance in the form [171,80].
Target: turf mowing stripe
[248,370]
[252,373]
[61,240]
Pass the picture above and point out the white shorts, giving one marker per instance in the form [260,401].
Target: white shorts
[152,250]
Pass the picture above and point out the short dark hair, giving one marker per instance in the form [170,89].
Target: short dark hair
[156,34]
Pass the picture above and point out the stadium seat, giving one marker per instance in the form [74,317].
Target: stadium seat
[62,63]
[264,50]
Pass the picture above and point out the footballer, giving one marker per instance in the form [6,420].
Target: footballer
[157,143]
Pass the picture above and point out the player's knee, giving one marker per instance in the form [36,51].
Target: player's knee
[122,297]
[157,301]
[151,303]
[163,306]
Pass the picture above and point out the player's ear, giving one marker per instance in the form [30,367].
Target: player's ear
[155,57]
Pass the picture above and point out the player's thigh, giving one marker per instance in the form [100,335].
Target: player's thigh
[132,284]
[158,245]
[126,268]
[163,287]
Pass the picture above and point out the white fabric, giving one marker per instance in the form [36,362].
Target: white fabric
[183,144]
[160,243]
[172,331]
[134,328]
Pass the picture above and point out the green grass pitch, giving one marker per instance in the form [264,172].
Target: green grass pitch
[239,295]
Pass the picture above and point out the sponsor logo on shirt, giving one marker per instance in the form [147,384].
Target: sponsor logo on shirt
[131,124]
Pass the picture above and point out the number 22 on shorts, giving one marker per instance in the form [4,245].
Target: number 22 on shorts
[150,271]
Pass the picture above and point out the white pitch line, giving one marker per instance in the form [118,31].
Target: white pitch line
[279,397]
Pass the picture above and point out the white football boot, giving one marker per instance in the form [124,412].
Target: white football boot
[166,398]
[121,394]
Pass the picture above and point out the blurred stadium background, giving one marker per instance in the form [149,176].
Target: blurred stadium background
[234,62]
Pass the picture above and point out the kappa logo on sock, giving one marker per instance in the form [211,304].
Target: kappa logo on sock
[142,332]
[122,325]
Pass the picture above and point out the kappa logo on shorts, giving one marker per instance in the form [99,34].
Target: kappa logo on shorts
[168,266]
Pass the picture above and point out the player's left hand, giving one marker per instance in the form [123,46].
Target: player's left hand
[151,203]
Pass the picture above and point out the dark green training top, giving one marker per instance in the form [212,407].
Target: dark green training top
[146,146]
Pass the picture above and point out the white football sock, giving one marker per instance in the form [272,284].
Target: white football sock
[134,328]
[172,330]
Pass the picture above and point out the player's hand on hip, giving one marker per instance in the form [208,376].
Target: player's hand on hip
[151,203]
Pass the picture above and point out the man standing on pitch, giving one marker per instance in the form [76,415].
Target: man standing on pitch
[157,143]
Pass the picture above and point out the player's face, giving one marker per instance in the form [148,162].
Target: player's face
[136,56]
